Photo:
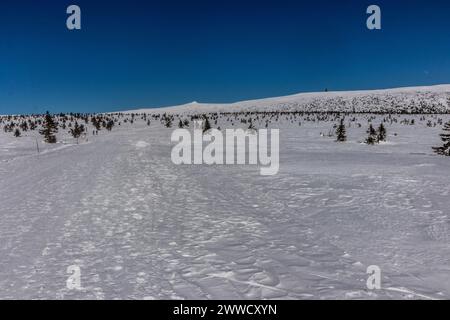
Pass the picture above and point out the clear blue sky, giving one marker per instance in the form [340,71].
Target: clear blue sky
[154,53]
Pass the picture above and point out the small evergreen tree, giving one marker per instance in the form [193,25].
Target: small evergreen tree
[372,138]
[109,125]
[17,133]
[341,133]
[96,123]
[49,129]
[180,124]
[381,134]
[444,150]
[168,122]
[24,126]
[251,126]
[206,125]
[77,131]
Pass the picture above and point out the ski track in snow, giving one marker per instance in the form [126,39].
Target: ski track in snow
[140,227]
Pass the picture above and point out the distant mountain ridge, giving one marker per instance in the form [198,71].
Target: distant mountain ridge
[431,99]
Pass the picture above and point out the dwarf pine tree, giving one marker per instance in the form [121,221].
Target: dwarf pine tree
[49,129]
[109,125]
[96,123]
[17,133]
[381,134]
[372,138]
[445,137]
[77,131]
[341,133]
[251,126]
[24,126]
[206,125]
[168,121]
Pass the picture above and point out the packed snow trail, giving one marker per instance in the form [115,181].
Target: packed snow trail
[140,227]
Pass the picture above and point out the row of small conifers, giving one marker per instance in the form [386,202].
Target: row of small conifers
[77,123]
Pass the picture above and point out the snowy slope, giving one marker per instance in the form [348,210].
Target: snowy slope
[140,227]
[432,99]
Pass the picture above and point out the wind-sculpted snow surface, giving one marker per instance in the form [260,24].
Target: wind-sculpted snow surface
[140,227]
[434,99]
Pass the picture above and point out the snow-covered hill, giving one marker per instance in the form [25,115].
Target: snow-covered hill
[432,99]
[140,227]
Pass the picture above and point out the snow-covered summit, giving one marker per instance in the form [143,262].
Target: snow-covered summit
[431,99]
